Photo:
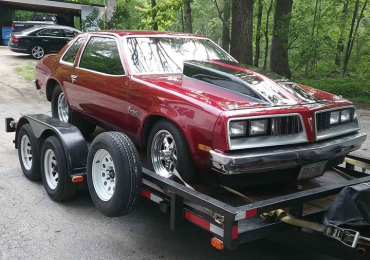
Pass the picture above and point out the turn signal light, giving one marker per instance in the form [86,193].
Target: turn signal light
[217,243]
[77,179]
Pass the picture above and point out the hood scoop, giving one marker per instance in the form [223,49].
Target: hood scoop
[230,76]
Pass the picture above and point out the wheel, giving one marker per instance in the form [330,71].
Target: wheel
[54,172]
[29,153]
[167,149]
[60,110]
[114,174]
[37,52]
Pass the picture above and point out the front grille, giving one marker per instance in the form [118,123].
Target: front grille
[286,125]
[323,119]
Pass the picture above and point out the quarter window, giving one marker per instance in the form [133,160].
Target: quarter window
[71,54]
[101,54]
[69,33]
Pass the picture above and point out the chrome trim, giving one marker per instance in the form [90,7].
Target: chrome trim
[240,162]
[265,141]
[337,130]
[119,51]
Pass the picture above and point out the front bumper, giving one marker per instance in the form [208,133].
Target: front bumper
[239,162]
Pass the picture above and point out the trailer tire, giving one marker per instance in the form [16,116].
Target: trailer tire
[28,144]
[54,172]
[114,175]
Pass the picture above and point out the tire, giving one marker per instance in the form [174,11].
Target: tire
[37,51]
[117,197]
[57,181]
[28,145]
[184,163]
[67,116]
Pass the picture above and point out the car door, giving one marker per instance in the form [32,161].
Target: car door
[99,84]
[52,39]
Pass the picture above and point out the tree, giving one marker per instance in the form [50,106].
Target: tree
[340,44]
[154,15]
[225,41]
[279,62]
[266,33]
[258,33]
[352,33]
[187,13]
[242,31]
[111,7]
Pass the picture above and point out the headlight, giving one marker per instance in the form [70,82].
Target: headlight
[258,127]
[334,117]
[345,115]
[238,128]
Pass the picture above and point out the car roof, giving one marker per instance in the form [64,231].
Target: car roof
[56,27]
[123,33]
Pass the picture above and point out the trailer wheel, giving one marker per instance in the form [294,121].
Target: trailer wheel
[29,153]
[54,172]
[114,174]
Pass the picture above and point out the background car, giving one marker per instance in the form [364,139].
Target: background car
[38,41]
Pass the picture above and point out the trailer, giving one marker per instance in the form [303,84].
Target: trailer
[289,213]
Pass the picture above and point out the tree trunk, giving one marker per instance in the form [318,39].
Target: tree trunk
[340,44]
[259,34]
[279,62]
[154,15]
[346,56]
[242,31]
[187,11]
[312,37]
[225,43]
[267,34]
[111,7]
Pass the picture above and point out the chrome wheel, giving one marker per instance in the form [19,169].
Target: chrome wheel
[63,110]
[38,52]
[26,152]
[51,169]
[163,153]
[103,175]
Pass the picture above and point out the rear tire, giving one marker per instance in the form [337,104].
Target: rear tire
[61,111]
[114,174]
[29,153]
[54,172]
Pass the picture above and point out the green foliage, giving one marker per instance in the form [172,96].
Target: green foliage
[26,71]
[354,89]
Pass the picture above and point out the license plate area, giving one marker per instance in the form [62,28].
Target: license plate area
[312,170]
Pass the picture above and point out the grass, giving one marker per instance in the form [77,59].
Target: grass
[27,71]
[356,90]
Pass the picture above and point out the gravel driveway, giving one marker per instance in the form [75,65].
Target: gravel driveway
[32,226]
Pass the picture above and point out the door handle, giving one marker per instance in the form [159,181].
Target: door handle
[74,78]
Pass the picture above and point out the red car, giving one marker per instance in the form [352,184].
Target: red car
[192,106]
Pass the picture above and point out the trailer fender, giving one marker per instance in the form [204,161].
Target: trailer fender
[74,144]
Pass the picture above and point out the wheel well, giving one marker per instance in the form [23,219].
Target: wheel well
[50,88]
[148,125]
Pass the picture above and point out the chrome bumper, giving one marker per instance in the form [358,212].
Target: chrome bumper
[239,162]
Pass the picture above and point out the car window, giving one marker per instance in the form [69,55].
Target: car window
[69,33]
[101,54]
[50,32]
[71,54]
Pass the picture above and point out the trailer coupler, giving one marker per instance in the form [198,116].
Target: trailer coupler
[348,237]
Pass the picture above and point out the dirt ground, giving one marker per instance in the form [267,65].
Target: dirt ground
[32,226]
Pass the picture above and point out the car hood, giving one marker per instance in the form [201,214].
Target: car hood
[230,86]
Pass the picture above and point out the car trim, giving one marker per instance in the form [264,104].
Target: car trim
[127,53]
[334,132]
[301,137]
[61,61]
[119,51]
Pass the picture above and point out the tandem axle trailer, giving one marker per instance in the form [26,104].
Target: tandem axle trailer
[231,217]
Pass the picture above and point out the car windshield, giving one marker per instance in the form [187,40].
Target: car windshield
[156,55]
